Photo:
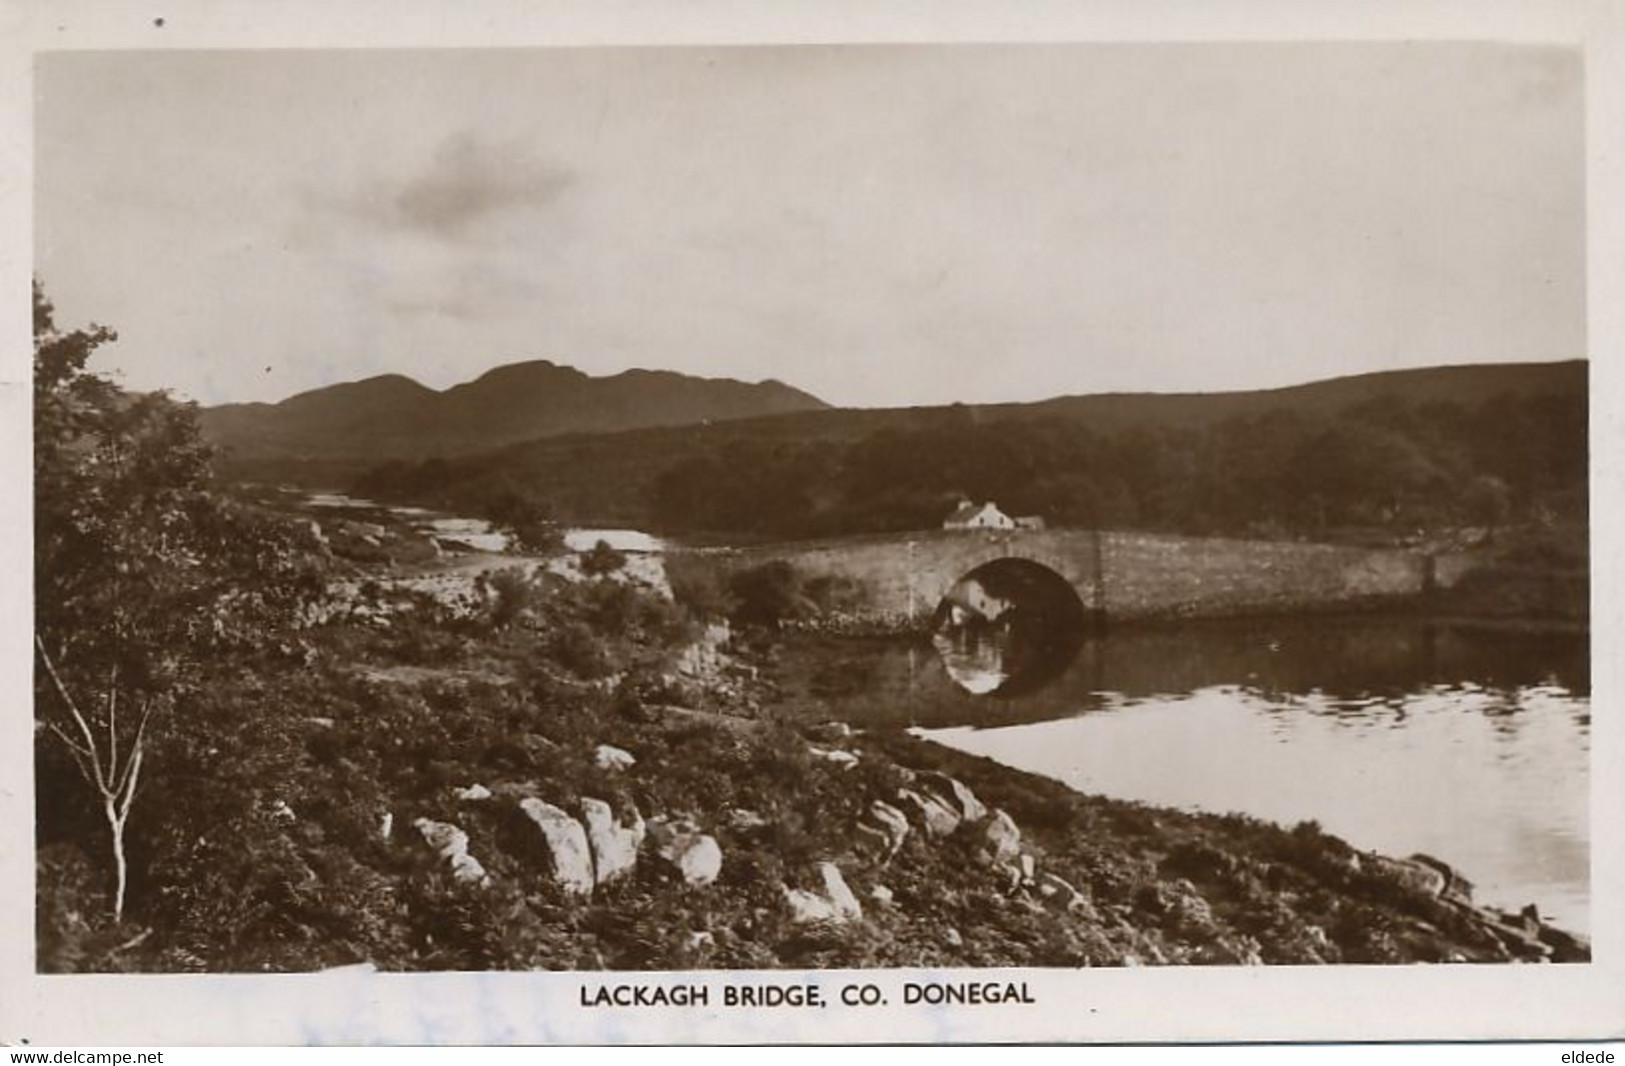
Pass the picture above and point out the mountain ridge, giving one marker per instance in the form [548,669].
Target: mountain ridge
[341,430]
[392,416]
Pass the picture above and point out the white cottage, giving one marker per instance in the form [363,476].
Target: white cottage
[978,516]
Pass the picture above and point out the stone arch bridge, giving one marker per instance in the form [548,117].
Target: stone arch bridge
[1124,575]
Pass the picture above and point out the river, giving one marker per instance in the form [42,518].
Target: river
[1399,734]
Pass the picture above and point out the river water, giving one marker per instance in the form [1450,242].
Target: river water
[478,534]
[1398,734]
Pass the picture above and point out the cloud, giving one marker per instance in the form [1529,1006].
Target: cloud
[467,183]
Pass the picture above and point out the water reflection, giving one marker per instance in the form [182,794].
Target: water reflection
[1010,627]
[1492,782]
[1401,734]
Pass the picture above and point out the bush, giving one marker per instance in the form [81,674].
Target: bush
[602,559]
[512,592]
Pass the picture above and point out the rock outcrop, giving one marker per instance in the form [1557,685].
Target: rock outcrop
[566,843]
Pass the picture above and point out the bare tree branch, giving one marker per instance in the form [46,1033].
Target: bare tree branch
[112,718]
[73,709]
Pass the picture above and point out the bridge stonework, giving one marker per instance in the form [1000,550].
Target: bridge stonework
[1120,575]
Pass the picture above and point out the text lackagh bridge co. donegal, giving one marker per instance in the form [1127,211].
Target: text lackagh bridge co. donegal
[793,995]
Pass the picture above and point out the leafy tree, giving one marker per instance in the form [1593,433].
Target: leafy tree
[140,569]
[520,515]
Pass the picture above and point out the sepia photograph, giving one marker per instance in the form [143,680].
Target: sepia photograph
[689,518]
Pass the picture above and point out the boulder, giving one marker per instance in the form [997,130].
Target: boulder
[386,825]
[474,793]
[807,908]
[696,855]
[609,757]
[1457,889]
[888,824]
[1416,877]
[835,905]
[835,888]
[566,843]
[1059,892]
[954,794]
[614,845]
[843,759]
[1001,839]
[934,816]
[452,845]
[881,895]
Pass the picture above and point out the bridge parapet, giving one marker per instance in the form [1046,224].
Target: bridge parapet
[1116,574]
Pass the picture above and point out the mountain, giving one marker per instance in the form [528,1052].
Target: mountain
[1128,458]
[1467,385]
[394,417]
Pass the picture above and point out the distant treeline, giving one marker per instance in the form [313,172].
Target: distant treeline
[1383,467]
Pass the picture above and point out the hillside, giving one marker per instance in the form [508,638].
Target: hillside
[1404,451]
[394,417]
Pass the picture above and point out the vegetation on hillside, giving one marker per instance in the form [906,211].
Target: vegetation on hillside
[1385,469]
[141,574]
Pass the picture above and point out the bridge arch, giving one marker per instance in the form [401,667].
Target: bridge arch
[1073,558]
[1013,581]
[1009,625]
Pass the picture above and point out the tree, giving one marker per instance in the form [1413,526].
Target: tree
[524,518]
[141,570]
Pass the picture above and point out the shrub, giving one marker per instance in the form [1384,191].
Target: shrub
[512,592]
[602,559]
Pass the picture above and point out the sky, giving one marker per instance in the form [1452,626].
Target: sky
[880,225]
